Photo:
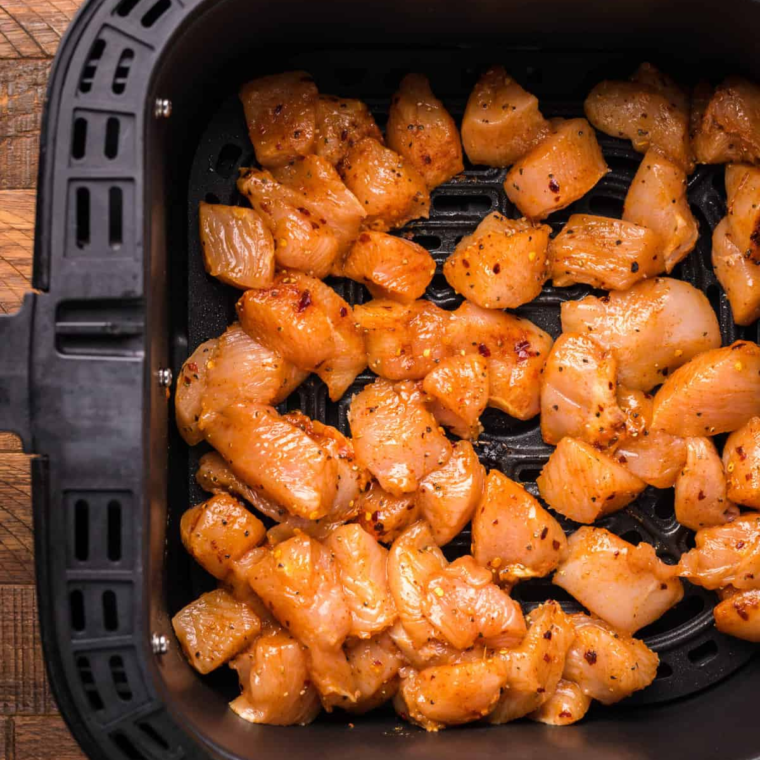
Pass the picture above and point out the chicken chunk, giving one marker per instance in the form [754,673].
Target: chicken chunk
[625,585]
[502,121]
[578,393]
[213,629]
[388,186]
[512,534]
[191,385]
[738,274]
[422,131]
[582,483]
[739,615]
[604,253]
[341,123]
[606,664]
[652,329]
[743,200]
[741,459]
[385,516]
[433,653]
[395,436]
[375,664]
[700,497]
[568,704]
[502,265]
[716,392]
[238,248]
[515,350]
[391,267]
[280,112]
[656,199]
[560,169]
[447,498]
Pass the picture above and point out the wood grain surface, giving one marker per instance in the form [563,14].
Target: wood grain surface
[30,728]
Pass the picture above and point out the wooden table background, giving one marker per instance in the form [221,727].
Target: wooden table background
[30,727]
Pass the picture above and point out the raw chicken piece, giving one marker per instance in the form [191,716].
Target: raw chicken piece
[656,199]
[274,680]
[448,496]
[466,608]
[214,628]
[459,389]
[219,531]
[716,392]
[725,554]
[535,667]
[567,705]
[648,112]
[652,329]
[502,265]
[743,200]
[739,615]
[515,350]
[578,393]
[582,483]
[236,584]
[626,585]
[501,122]
[652,455]
[700,498]
[404,341]
[280,111]
[341,123]
[395,436]
[560,169]
[604,253]
[361,569]
[741,458]
[389,188]
[726,123]
[237,247]
[422,131]
[512,534]
[391,267]
[275,457]
[302,240]
[607,664]
[375,664]
[738,274]
[434,652]
[385,516]
[191,385]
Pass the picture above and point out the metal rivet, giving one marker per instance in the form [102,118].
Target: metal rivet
[163,108]
[164,377]
[159,644]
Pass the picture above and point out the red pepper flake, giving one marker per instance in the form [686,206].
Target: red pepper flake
[553,185]
[547,657]
[742,454]
[304,211]
[555,544]
[304,302]
[701,496]
[483,350]
[622,459]
[590,657]
[565,714]
[496,268]
[465,263]
[521,349]
[543,536]
[548,635]
[364,238]
[278,109]
[663,586]
[193,367]
[343,311]
[740,544]
[740,611]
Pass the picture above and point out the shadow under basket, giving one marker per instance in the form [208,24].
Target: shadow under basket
[141,123]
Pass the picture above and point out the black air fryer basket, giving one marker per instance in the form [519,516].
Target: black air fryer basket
[142,122]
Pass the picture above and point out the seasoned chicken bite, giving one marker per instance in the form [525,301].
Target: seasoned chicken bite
[434,652]
[515,350]
[502,265]
[385,516]
[422,131]
[606,664]
[559,170]
[391,267]
[743,201]
[502,121]
[388,186]
[512,534]
[568,704]
[626,585]
[395,435]
[716,392]
[652,329]
[741,459]
[341,123]
[237,246]
[578,393]
[375,664]
[700,497]
[656,199]
[582,483]
[738,274]
[188,397]
[280,112]
[214,628]
[605,253]
[739,615]
[448,496]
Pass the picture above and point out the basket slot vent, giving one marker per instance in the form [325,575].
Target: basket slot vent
[115,216]
[99,537]
[227,160]
[702,654]
[154,735]
[664,670]
[605,205]
[121,73]
[79,139]
[125,7]
[470,203]
[81,530]
[119,677]
[114,530]
[100,328]
[632,537]
[528,474]
[110,611]
[76,610]
[100,608]
[127,747]
[111,146]
[101,140]
[155,12]
[90,68]
[82,217]
[88,683]
[101,212]
[431,242]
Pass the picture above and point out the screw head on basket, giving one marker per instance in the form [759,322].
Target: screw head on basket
[164,377]
[162,108]
[159,643]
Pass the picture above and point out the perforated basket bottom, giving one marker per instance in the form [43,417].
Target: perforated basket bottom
[692,652]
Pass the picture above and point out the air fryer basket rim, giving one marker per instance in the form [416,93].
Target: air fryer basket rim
[80,383]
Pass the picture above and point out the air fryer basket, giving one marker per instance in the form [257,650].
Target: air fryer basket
[142,123]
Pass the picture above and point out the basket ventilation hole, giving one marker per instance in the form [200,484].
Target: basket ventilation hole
[125,7]
[632,537]
[350,76]
[115,213]
[114,531]
[155,12]
[702,654]
[81,530]
[82,217]
[79,139]
[88,683]
[664,508]
[124,743]
[431,242]
[153,735]
[111,148]
[119,676]
[664,670]
[110,611]
[713,296]
[121,74]
[534,75]
[468,203]
[528,474]
[604,205]
[91,65]
[211,198]
[227,159]
[76,610]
